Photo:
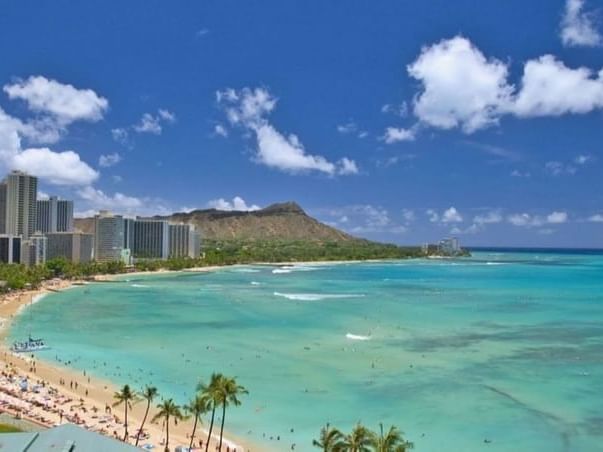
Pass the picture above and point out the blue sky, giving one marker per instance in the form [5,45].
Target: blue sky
[402,121]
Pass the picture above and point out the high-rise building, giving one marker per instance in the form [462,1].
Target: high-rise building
[129,232]
[54,215]
[34,249]
[21,194]
[151,239]
[109,237]
[76,247]
[10,249]
[3,207]
[184,241]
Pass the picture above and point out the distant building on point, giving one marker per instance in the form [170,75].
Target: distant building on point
[449,246]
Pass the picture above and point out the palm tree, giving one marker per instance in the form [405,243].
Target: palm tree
[358,440]
[330,439]
[148,393]
[393,441]
[228,390]
[201,404]
[168,409]
[125,396]
[210,391]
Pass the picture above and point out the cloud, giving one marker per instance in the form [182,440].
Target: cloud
[109,160]
[59,168]
[219,129]
[517,173]
[550,88]
[462,88]
[596,218]
[154,123]
[202,32]
[363,219]
[527,220]
[237,203]
[583,159]
[99,200]
[578,27]
[120,135]
[491,217]
[64,102]
[398,110]
[451,215]
[496,151]
[347,128]
[396,134]
[556,218]
[248,108]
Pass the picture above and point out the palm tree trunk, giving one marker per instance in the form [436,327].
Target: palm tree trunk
[167,433]
[193,434]
[126,423]
[211,426]
[222,426]
[143,421]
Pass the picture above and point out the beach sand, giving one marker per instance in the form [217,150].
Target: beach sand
[89,398]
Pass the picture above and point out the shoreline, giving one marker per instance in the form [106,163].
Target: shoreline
[89,394]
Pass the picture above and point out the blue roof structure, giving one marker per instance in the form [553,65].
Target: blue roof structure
[64,438]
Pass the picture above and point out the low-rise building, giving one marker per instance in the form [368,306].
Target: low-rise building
[10,249]
[34,249]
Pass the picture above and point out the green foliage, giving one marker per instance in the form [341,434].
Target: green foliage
[361,439]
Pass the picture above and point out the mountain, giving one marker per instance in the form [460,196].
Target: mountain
[283,221]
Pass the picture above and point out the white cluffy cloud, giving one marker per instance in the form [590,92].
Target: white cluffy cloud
[463,88]
[109,160]
[62,101]
[527,220]
[578,27]
[99,200]
[237,203]
[596,218]
[60,168]
[397,134]
[248,108]
[450,215]
[154,123]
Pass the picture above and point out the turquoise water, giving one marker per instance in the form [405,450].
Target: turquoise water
[506,347]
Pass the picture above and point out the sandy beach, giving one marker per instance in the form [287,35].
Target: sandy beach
[57,395]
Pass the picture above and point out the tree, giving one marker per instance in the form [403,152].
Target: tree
[211,392]
[330,440]
[228,391]
[168,409]
[200,405]
[359,440]
[125,396]
[393,441]
[149,393]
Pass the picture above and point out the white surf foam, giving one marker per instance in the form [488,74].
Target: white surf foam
[138,285]
[255,283]
[315,296]
[357,337]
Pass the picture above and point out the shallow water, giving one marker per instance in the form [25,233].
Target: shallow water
[504,347]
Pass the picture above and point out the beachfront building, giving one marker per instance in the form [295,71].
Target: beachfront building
[10,249]
[150,239]
[34,249]
[109,237]
[54,215]
[66,438]
[184,241]
[3,207]
[76,247]
[21,196]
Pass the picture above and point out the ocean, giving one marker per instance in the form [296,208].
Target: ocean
[502,351]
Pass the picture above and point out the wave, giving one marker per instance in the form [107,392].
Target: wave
[357,337]
[138,285]
[315,296]
[255,283]
[245,270]
[294,268]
